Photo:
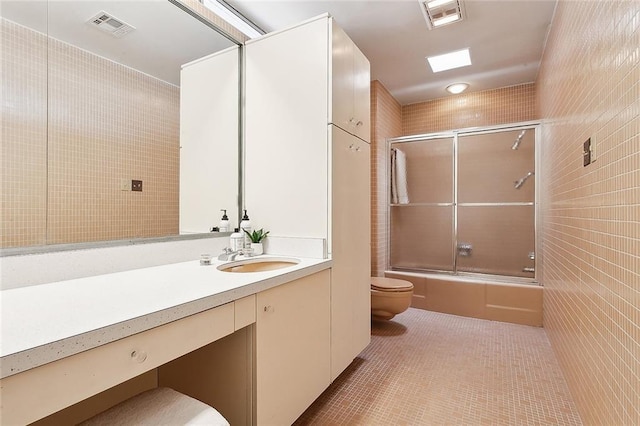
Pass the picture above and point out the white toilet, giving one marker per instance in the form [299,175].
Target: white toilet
[389,297]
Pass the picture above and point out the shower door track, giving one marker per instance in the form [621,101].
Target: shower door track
[496,204]
[471,276]
[422,204]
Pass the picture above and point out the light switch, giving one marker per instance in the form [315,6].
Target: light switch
[125,185]
[136,185]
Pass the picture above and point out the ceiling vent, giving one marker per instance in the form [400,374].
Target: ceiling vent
[107,23]
[438,13]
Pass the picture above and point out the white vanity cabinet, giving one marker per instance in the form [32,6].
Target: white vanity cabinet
[302,179]
[292,348]
[38,392]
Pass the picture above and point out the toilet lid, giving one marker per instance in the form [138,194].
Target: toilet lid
[390,284]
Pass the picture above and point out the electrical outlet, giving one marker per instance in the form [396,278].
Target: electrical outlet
[125,185]
[136,185]
[586,153]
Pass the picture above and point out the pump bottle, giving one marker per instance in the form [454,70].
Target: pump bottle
[224,222]
[236,240]
[245,225]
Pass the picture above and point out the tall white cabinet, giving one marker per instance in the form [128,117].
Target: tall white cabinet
[307,163]
[350,249]
[350,88]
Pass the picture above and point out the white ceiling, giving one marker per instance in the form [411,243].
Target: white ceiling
[165,37]
[506,39]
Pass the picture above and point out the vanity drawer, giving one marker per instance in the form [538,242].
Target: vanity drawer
[245,311]
[41,391]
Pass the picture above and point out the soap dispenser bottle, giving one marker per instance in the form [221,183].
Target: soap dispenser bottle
[224,222]
[245,226]
[236,240]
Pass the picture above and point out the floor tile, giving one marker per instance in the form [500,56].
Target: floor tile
[428,368]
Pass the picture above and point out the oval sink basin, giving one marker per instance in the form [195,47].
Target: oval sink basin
[259,264]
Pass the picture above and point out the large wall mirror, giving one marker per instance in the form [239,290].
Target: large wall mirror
[93,103]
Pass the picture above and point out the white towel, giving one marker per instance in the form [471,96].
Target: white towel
[399,189]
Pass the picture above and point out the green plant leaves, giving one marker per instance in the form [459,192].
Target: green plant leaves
[257,236]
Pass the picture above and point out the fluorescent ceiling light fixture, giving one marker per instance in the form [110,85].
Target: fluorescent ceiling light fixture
[445,20]
[449,61]
[232,18]
[456,88]
[438,13]
[437,3]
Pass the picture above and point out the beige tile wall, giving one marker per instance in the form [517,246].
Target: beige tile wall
[23,143]
[106,123]
[589,86]
[386,122]
[490,107]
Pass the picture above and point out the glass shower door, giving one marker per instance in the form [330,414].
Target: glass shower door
[496,208]
[422,208]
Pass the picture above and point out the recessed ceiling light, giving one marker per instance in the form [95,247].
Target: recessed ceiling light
[456,88]
[449,61]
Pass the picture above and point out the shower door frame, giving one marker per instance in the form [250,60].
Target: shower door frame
[455,134]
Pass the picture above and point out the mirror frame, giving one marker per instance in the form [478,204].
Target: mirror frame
[209,18]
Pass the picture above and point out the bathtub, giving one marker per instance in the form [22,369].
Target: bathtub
[497,299]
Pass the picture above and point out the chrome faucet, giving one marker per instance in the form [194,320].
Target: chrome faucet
[228,254]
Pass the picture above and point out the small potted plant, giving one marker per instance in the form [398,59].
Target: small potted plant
[256,238]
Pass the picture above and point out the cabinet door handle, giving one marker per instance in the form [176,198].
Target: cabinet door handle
[358,149]
[268,308]
[359,123]
[351,146]
[138,356]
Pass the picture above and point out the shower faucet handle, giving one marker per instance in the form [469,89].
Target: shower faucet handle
[464,249]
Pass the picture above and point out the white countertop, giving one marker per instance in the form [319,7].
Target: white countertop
[44,323]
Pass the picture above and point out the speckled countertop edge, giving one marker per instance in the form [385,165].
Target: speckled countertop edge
[33,357]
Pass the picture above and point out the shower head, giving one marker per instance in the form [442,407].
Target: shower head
[518,140]
[518,183]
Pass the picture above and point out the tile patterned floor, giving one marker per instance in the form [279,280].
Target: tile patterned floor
[427,368]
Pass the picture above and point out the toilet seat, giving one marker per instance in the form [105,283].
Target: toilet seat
[391,285]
